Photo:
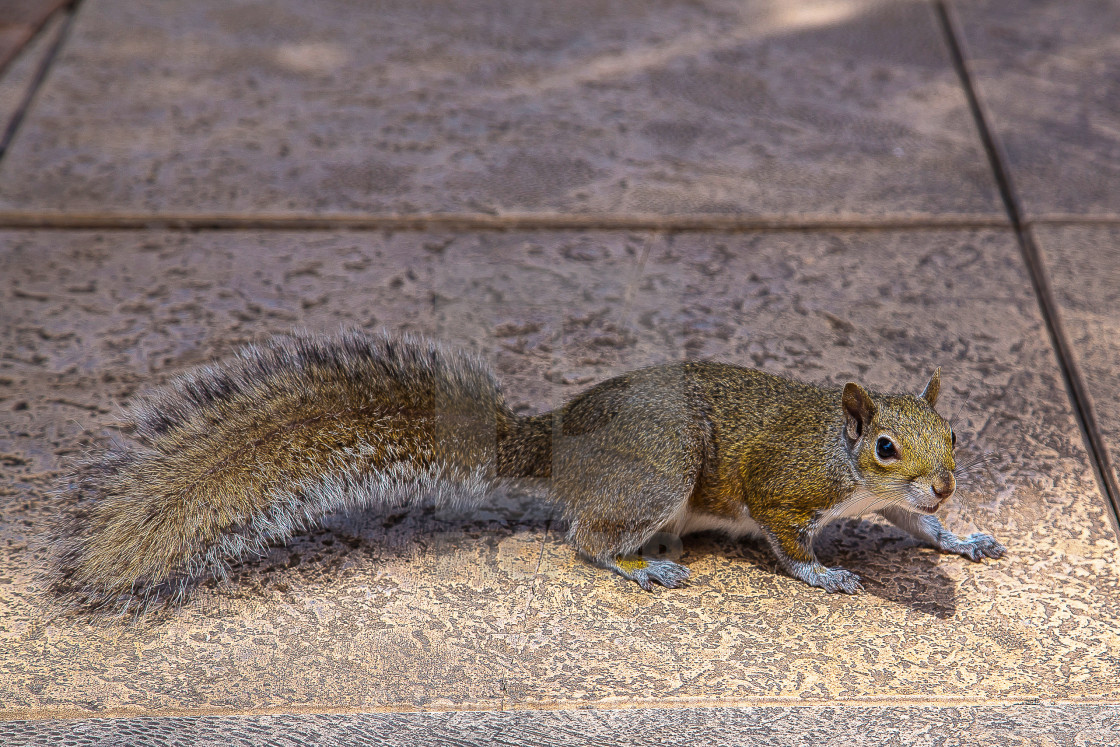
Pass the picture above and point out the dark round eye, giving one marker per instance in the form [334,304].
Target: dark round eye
[884,448]
[953,436]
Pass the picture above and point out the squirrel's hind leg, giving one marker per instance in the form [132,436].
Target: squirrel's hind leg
[927,527]
[616,547]
[616,510]
[624,465]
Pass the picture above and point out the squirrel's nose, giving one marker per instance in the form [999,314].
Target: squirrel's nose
[943,487]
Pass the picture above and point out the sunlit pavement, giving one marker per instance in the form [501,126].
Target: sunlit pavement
[832,190]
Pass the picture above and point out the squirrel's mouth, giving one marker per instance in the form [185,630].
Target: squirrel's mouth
[935,506]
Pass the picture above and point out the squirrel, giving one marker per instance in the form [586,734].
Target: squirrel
[237,455]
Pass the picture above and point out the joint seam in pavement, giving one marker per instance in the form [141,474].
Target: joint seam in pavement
[1075,386]
[606,704]
[24,219]
[187,221]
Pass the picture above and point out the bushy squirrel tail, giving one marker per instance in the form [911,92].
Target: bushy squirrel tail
[240,454]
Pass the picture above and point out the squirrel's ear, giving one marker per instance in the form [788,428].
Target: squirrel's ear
[929,394]
[858,410]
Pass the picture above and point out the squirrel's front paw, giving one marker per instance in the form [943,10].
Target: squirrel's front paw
[833,579]
[977,546]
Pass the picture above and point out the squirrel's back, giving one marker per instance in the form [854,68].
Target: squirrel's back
[237,455]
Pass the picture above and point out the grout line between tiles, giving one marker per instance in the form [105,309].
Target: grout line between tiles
[504,704]
[187,221]
[203,221]
[1032,258]
[1065,219]
[610,704]
[9,134]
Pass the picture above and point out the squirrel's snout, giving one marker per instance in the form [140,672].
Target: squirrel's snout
[943,487]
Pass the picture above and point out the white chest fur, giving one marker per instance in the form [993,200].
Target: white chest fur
[857,504]
[687,522]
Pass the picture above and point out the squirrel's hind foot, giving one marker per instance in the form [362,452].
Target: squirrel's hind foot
[646,572]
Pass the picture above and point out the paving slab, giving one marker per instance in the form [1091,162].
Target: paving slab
[1010,725]
[1047,76]
[842,110]
[1083,266]
[437,611]
[379,610]
[885,309]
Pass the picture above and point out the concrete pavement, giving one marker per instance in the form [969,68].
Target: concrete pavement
[834,190]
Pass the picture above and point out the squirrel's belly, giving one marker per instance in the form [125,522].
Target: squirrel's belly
[688,521]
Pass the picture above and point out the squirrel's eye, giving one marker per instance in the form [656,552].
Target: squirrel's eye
[885,449]
[953,436]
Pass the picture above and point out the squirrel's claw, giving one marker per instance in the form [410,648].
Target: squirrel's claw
[834,579]
[977,546]
[645,572]
[665,572]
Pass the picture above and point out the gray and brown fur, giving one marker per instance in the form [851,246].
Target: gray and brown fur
[241,454]
[234,456]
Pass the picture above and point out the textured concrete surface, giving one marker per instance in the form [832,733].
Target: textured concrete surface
[1048,76]
[883,309]
[1084,269]
[1007,726]
[435,612]
[431,627]
[843,109]
[429,617]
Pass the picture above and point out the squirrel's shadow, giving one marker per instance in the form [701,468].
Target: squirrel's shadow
[361,541]
[891,564]
[344,547]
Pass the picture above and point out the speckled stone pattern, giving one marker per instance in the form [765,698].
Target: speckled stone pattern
[760,108]
[211,129]
[1010,726]
[436,611]
[1046,73]
[1084,267]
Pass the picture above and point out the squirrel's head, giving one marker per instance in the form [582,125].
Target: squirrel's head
[902,449]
